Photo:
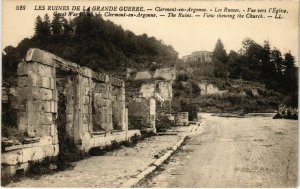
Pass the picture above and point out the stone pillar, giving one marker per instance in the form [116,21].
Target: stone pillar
[152,107]
[70,107]
[37,95]
[76,113]
[122,108]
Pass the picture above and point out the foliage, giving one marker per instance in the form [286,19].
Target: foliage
[184,93]
[220,60]
[93,42]
[255,62]
[219,53]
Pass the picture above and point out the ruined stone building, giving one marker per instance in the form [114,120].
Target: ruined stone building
[210,89]
[155,91]
[201,56]
[158,82]
[58,98]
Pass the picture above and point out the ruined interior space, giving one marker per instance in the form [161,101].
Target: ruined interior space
[60,110]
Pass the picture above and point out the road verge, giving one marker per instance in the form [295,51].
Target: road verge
[132,182]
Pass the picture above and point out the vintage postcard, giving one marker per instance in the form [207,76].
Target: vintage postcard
[149,93]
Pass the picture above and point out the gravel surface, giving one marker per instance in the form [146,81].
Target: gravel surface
[234,152]
[111,169]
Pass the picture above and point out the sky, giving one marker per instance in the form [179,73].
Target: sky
[186,35]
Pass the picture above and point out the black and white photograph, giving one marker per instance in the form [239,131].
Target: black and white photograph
[149,94]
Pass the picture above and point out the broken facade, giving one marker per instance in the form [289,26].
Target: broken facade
[142,114]
[153,94]
[57,97]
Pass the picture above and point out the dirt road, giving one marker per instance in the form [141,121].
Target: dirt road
[234,152]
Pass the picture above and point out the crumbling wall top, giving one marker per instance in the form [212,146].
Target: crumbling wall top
[44,57]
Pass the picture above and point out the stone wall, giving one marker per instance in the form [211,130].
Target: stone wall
[92,99]
[182,118]
[165,90]
[161,87]
[208,89]
[168,74]
[142,114]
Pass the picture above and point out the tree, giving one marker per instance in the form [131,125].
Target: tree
[38,27]
[219,53]
[277,60]
[56,26]
[268,68]
[234,64]
[46,26]
[247,43]
[220,59]
[288,74]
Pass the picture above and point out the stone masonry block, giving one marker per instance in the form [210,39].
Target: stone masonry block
[46,106]
[85,82]
[46,118]
[23,93]
[22,105]
[37,55]
[85,109]
[86,100]
[103,77]
[104,95]
[44,82]
[39,106]
[85,118]
[22,127]
[44,70]
[70,109]
[101,87]
[86,72]
[99,76]
[121,97]
[38,152]
[42,94]
[101,102]
[22,81]
[22,118]
[33,80]
[53,108]
[95,75]
[86,91]
[30,130]
[34,118]
[90,125]
[52,83]
[22,68]
[107,78]
[115,91]
[70,117]
[55,95]
[35,106]
[42,130]
[53,129]
[12,158]
[93,85]
[110,96]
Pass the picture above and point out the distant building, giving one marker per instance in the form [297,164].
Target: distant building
[201,56]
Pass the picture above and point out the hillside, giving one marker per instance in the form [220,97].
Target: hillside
[90,41]
[226,95]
